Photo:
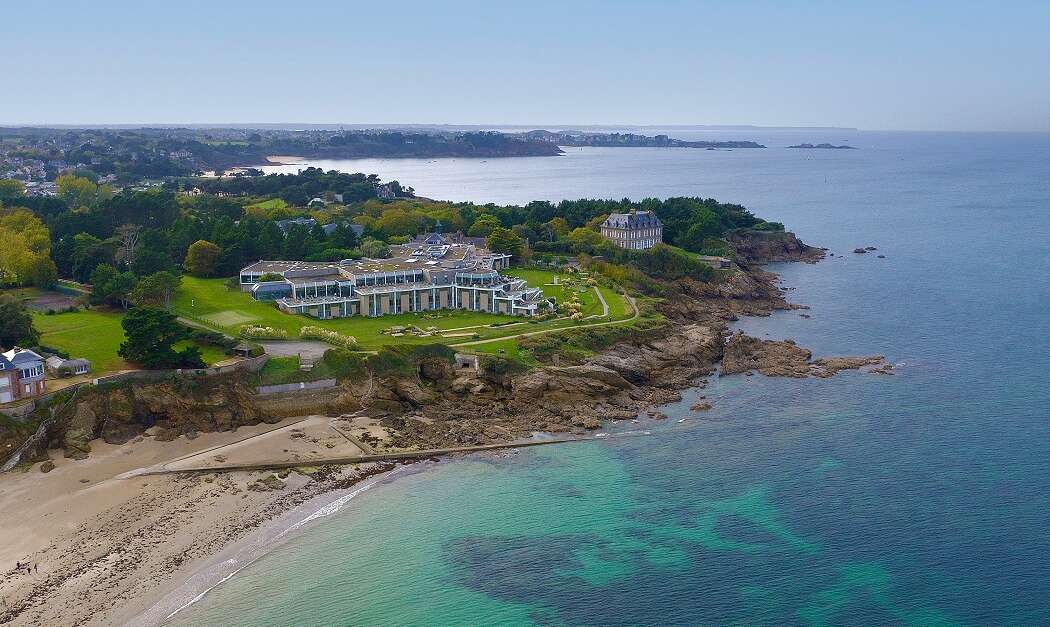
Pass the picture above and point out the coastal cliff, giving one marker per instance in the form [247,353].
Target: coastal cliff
[753,246]
[129,535]
[642,368]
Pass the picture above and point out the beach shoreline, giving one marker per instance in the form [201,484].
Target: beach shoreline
[181,593]
[135,549]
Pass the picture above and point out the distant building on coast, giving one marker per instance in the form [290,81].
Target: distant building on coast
[637,230]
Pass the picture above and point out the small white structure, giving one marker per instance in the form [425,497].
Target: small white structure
[57,365]
[466,361]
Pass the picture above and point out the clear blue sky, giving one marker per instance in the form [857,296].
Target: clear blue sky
[876,65]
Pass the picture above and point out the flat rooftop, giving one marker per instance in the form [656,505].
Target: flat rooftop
[262,267]
[463,257]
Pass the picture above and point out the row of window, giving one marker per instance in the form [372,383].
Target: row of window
[392,278]
[618,234]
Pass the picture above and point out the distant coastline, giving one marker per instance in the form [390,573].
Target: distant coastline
[822,147]
[578,139]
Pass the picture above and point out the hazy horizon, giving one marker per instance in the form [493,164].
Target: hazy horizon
[940,66]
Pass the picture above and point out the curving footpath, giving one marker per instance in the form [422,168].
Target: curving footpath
[633,317]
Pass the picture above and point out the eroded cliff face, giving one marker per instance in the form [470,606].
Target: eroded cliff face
[768,246]
[118,414]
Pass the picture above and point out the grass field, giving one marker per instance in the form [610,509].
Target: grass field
[93,335]
[96,336]
[268,205]
[209,302]
[561,291]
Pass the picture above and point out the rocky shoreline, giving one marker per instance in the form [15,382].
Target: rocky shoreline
[128,553]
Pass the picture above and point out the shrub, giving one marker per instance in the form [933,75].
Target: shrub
[325,335]
[253,332]
[52,350]
[212,338]
[342,364]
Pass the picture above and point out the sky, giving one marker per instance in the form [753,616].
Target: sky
[920,65]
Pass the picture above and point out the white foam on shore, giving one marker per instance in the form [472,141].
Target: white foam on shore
[211,577]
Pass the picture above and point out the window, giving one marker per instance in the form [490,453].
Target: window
[34,371]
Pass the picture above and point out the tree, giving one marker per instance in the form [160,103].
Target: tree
[298,243]
[373,248]
[110,287]
[42,273]
[585,240]
[16,324]
[484,225]
[398,222]
[201,258]
[24,242]
[558,227]
[11,188]
[76,191]
[504,241]
[87,252]
[150,338]
[342,237]
[155,290]
[152,255]
[704,224]
[128,234]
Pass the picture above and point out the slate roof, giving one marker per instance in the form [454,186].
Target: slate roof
[633,220]
[22,356]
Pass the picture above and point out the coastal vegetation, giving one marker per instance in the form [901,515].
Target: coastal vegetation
[168,251]
[130,155]
[628,140]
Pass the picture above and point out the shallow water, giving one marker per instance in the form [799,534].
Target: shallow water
[920,498]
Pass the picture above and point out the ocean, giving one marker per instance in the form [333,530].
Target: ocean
[921,498]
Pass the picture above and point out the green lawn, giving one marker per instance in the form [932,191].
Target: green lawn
[210,354]
[562,292]
[209,302]
[93,335]
[268,205]
[96,336]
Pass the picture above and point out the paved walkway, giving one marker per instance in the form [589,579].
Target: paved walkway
[630,300]
[169,468]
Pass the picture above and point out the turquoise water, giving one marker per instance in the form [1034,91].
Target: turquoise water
[921,498]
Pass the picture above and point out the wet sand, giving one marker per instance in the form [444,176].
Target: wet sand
[107,548]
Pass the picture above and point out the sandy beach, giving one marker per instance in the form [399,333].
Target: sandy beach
[104,545]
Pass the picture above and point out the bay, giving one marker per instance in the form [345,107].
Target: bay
[920,498]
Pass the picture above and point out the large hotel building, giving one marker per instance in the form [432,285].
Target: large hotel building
[431,272]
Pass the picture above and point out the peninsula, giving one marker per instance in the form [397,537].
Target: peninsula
[129,154]
[626,140]
[225,390]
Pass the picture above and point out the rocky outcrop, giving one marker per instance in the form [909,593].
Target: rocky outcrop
[186,406]
[783,358]
[767,246]
[618,383]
